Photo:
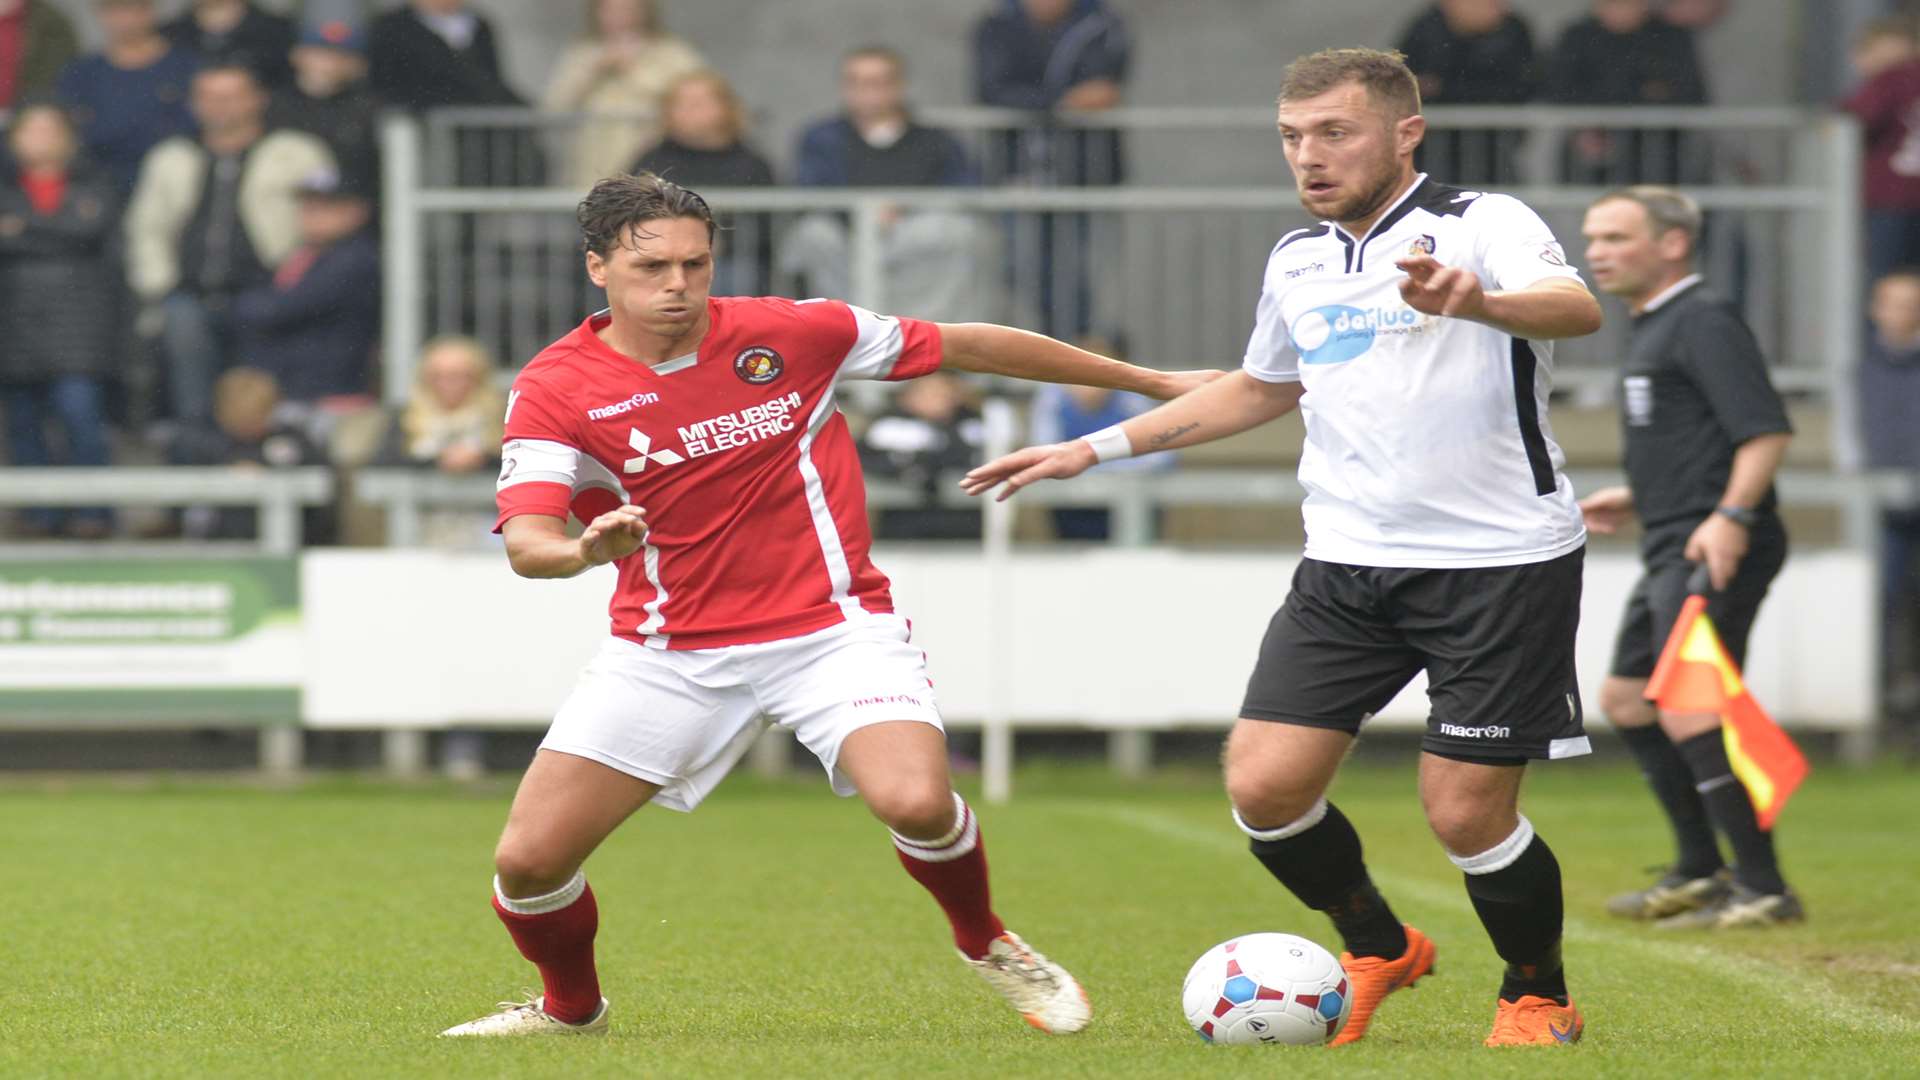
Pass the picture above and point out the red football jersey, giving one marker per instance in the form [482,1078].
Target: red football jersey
[756,508]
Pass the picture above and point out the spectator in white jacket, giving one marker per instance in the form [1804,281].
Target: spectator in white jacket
[211,217]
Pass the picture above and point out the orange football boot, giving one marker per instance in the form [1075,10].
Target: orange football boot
[1372,978]
[1535,1021]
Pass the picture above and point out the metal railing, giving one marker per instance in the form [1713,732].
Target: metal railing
[1170,262]
[1133,498]
[277,495]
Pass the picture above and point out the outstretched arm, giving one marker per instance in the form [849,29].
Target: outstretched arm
[1551,308]
[1221,408]
[1001,350]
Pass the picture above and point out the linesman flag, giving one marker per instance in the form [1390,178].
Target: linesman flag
[1696,675]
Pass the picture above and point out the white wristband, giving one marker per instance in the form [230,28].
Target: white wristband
[1110,444]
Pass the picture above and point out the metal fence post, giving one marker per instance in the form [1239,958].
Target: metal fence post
[403,254]
[996,740]
[869,269]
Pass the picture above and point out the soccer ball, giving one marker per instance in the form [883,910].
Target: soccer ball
[1267,988]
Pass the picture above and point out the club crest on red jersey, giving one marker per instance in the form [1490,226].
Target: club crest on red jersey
[758,365]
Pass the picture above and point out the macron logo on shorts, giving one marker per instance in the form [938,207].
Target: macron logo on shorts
[1488,732]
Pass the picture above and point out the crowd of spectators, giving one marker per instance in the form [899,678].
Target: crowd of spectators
[200,195]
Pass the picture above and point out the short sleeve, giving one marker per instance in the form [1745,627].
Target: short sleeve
[1271,356]
[1517,248]
[1722,358]
[889,348]
[542,469]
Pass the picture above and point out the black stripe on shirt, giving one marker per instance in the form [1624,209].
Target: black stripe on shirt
[1527,412]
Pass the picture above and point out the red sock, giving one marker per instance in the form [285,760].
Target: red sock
[556,933]
[954,870]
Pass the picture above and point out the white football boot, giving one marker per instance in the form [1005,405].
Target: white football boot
[1037,988]
[528,1018]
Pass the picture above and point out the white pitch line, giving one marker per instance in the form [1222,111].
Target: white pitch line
[1787,984]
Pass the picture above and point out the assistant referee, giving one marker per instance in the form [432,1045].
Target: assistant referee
[1704,434]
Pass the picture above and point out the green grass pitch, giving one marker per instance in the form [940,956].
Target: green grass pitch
[189,930]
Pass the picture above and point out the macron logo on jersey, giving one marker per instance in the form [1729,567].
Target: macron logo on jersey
[621,408]
[642,444]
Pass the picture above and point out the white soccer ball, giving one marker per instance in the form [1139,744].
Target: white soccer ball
[1267,988]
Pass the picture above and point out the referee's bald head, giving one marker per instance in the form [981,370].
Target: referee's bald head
[1384,73]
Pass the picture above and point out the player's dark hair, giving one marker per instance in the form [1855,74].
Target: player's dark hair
[1383,72]
[618,203]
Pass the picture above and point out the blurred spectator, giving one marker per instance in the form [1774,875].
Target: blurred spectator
[1047,55]
[59,274]
[932,264]
[704,147]
[618,74]
[1059,413]
[1624,54]
[1889,402]
[331,98]
[226,32]
[437,52]
[454,419]
[429,53]
[1887,104]
[132,94]
[929,432]
[1694,14]
[313,327]
[212,218]
[1472,52]
[247,431]
[36,41]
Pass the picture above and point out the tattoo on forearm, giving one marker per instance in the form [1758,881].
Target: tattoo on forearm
[1171,434]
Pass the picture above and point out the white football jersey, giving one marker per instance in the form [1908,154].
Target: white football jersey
[1427,437]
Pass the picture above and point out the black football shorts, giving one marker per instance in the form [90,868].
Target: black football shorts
[1496,643]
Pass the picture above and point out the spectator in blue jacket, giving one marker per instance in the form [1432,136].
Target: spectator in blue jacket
[932,257]
[131,95]
[314,325]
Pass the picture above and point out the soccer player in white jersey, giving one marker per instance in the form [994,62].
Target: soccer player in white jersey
[1413,330]
[698,439]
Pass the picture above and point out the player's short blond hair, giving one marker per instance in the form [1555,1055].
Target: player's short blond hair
[1383,72]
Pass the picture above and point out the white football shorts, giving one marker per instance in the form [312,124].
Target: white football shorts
[682,719]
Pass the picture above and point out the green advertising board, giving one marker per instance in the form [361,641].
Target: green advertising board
[159,642]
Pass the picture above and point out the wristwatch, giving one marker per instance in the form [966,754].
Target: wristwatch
[1739,514]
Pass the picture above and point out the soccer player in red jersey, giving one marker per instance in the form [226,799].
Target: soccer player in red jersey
[699,440]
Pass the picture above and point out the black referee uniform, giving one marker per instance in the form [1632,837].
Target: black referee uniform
[1695,387]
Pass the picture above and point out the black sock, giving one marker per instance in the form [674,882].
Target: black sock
[1672,783]
[1754,863]
[1323,867]
[1521,907]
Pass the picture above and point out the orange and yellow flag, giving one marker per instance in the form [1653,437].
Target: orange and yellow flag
[1696,675]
